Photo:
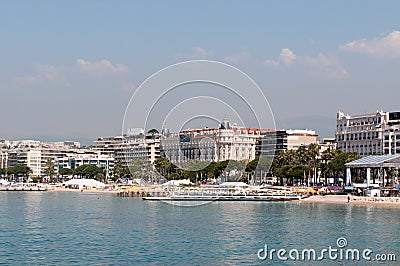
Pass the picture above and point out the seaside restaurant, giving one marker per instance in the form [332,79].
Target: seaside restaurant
[381,170]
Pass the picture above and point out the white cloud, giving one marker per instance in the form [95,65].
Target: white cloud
[44,73]
[102,67]
[49,73]
[241,57]
[385,47]
[327,66]
[286,58]
[197,53]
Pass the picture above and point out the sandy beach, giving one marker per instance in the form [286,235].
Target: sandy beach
[58,189]
[342,199]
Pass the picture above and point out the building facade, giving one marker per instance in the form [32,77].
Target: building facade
[3,159]
[273,142]
[36,154]
[75,159]
[135,145]
[368,134]
[212,144]
[391,135]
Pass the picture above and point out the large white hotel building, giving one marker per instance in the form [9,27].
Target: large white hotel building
[369,134]
[230,142]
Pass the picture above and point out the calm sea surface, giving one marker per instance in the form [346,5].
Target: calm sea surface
[62,228]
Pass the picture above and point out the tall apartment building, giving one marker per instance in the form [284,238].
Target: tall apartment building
[130,147]
[72,160]
[142,147]
[368,134]
[272,143]
[35,154]
[3,159]
[391,135]
[108,145]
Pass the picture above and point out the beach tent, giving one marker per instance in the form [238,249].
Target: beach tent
[4,182]
[84,183]
[234,185]
[177,182]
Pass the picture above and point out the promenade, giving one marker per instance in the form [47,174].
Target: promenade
[356,200]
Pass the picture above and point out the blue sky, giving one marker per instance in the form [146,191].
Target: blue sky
[69,68]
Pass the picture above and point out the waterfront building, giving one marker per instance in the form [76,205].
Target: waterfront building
[227,142]
[300,137]
[134,145]
[362,134]
[327,143]
[273,142]
[34,161]
[3,159]
[75,159]
[35,154]
[139,148]
[108,145]
[391,134]
[368,134]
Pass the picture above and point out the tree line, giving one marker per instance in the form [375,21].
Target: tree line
[306,166]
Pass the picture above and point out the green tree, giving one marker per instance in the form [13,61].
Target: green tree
[259,167]
[119,171]
[65,171]
[49,170]
[314,162]
[80,170]
[153,131]
[88,171]
[281,163]
[18,170]
[326,167]
[202,169]
[337,163]
[163,166]
[92,171]
[2,171]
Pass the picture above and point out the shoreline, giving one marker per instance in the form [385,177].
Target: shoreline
[332,199]
[83,190]
[354,200]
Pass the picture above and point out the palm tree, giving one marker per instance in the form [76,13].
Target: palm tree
[313,150]
[153,131]
[326,169]
[49,171]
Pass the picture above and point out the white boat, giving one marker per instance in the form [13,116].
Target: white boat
[225,195]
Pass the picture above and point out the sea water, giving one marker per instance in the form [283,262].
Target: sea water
[68,228]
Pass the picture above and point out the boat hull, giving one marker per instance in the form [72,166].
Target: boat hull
[224,198]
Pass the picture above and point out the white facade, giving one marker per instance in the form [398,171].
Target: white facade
[212,144]
[34,162]
[369,134]
[362,134]
[139,148]
[73,160]
[391,140]
[127,148]
[300,137]
[3,159]
[108,145]
[35,154]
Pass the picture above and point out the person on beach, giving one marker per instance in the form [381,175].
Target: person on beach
[348,199]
